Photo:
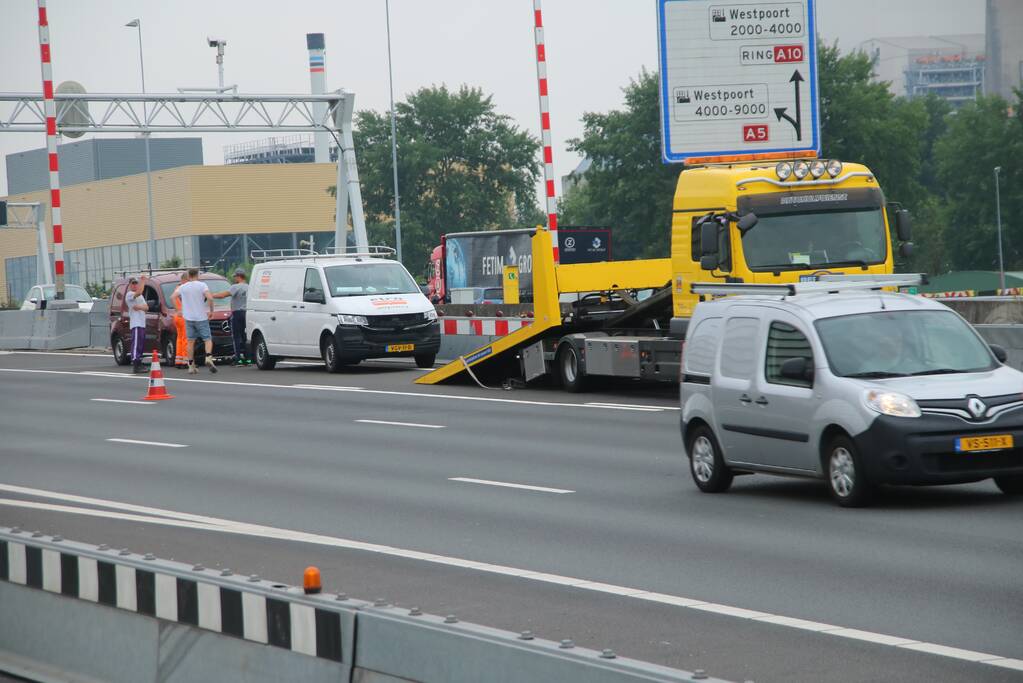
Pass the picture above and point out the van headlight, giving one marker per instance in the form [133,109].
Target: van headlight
[892,403]
[430,314]
[345,319]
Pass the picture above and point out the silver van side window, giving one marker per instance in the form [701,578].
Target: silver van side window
[785,342]
[701,346]
[738,352]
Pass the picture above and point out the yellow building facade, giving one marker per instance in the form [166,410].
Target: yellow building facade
[212,215]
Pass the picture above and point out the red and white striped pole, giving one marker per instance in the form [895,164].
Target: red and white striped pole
[50,109]
[545,129]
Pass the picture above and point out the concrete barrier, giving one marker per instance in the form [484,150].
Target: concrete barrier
[44,330]
[99,324]
[75,612]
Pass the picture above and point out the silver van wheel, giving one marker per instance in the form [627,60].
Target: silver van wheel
[703,459]
[842,470]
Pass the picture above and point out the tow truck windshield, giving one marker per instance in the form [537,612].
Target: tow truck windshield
[794,241]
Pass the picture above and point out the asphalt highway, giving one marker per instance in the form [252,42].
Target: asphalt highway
[570,515]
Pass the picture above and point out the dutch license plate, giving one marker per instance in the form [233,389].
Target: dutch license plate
[399,348]
[996,442]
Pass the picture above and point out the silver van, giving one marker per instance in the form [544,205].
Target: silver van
[858,387]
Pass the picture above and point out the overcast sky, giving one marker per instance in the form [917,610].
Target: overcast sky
[593,48]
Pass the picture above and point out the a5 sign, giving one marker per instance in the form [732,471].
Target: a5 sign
[731,71]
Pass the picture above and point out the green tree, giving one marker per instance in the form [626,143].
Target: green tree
[862,121]
[626,187]
[980,136]
[461,166]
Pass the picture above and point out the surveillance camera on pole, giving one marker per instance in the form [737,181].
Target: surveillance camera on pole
[220,45]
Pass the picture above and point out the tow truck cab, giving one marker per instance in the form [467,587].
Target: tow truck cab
[766,222]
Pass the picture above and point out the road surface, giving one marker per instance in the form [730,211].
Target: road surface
[570,515]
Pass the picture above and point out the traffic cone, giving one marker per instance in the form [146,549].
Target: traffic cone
[157,391]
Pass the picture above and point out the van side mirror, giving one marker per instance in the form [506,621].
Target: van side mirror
[906,249]
[796,368]
[903,225]
[709,237]
[999,352]
[746,223]
[314,296]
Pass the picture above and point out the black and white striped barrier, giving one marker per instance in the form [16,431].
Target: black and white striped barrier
[70,610]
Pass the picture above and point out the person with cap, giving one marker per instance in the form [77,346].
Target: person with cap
[239,293]
[135,301]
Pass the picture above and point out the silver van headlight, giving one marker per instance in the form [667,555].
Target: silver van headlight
[430,314]
[891,403]
[346,319]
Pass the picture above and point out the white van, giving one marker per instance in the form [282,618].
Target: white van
[342,308]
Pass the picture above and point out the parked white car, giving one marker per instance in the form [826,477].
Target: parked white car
[49,293]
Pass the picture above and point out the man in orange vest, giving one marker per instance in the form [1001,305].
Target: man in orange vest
[181,343]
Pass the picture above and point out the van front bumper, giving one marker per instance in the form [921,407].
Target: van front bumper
[922,450]
[359,343]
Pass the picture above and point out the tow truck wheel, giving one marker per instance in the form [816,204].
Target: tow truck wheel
[426,360]
[569,371]
[710,473]
[264,361]
[331,354]
[120,351]
[1010,486]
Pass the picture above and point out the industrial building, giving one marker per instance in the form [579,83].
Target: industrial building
[212,215]
[951,67]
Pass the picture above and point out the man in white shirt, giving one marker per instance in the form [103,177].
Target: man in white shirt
[196,304]
[135,302]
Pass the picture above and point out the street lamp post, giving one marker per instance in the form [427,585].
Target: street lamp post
[394,139]
[998,209]
[137,24]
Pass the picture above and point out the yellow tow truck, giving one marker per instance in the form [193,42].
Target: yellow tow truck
[751,221]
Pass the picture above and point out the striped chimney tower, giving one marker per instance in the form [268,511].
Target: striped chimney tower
[50,111]
[545,129]
[317,48]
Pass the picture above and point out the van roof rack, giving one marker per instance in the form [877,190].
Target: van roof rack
[374,251]
[828,283]
[157,271]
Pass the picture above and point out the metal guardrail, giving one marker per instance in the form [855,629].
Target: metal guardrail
[95,612]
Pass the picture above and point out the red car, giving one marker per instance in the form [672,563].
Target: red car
[160,331]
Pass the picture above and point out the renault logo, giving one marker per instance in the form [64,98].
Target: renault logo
[977,407]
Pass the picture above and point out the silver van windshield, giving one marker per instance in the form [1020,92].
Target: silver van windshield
[362,279]
[901,344]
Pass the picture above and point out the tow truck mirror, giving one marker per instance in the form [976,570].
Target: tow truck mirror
[747,222]
[709,238]
[906,249]
[903,225]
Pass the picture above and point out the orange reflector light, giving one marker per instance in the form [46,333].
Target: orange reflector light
[311,580]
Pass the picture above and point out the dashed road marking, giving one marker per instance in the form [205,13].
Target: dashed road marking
[150,443]
[505,484]
[120,400]
[400,424]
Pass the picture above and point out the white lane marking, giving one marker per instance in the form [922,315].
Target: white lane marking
[57,353]
[200,522]
[119,400]
[150,443]
[400,424]
[633,408]
[488,482]
[383,392]
[607,404]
